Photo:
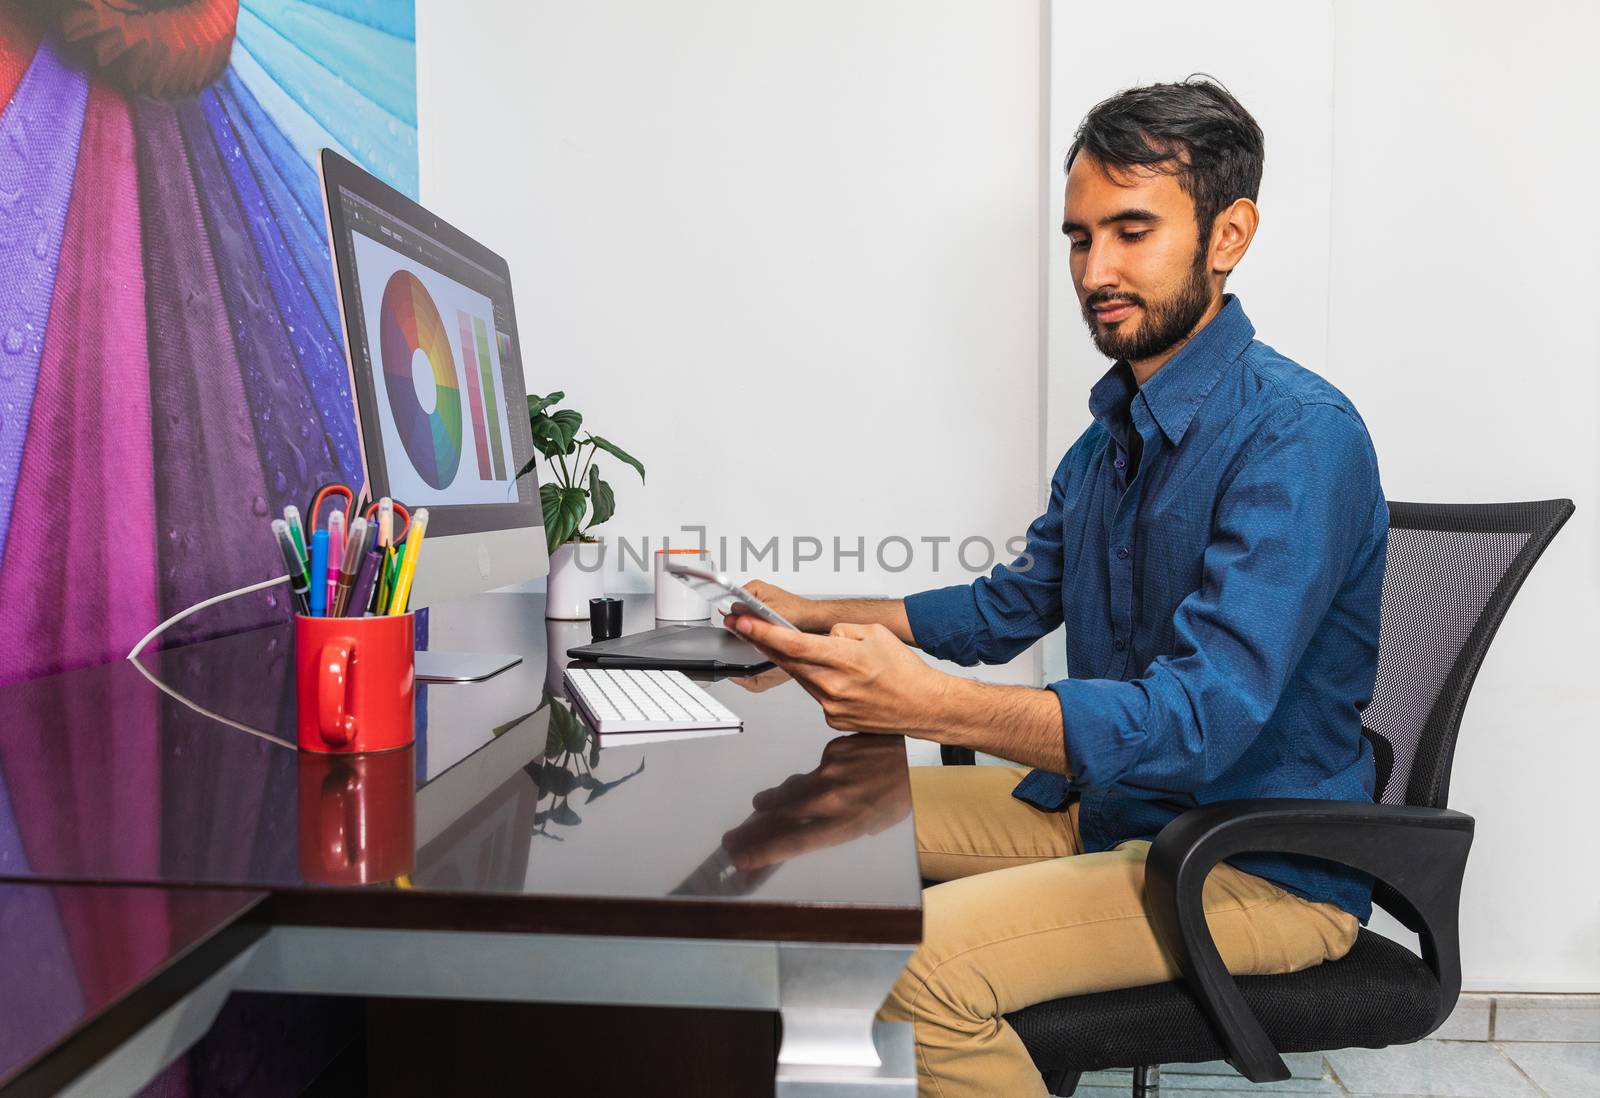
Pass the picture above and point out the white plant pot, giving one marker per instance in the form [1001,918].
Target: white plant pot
[576,576]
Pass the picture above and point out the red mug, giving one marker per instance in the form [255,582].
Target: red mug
[355,683]
[358,817]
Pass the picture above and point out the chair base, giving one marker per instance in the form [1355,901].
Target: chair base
[1064,1084]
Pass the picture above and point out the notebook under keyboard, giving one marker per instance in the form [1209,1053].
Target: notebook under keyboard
[643,701]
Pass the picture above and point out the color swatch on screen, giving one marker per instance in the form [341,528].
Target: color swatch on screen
[409,322]
[474,394]
[490,398]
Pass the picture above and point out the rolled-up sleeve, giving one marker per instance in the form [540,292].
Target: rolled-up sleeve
[1284,535]
[994,618]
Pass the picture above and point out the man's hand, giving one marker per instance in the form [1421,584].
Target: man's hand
[803,612]
[864,678]
[868,681]
[821,615]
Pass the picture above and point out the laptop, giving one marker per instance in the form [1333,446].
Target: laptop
[697,647]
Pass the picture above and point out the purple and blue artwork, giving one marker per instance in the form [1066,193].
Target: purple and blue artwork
[171,363]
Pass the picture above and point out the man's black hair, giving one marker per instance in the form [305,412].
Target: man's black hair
[1193,129]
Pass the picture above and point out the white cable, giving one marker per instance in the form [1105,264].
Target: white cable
[204,712]
[212,601]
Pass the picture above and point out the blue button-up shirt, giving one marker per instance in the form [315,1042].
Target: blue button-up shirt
[1221,603]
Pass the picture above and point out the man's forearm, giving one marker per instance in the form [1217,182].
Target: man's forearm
[823,614]
[1019,723]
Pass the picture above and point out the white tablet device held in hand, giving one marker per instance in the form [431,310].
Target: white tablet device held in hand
[720,591]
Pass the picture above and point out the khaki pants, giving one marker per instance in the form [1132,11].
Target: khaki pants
[1025,916]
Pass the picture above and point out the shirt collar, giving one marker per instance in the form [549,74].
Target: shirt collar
[1110,398]
[1177,390]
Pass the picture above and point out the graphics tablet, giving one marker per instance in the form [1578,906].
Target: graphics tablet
[706,647]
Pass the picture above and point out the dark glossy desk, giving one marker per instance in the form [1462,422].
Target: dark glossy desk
[83,970]
[539,864]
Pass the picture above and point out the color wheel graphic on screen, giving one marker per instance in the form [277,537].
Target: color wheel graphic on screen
[409,323]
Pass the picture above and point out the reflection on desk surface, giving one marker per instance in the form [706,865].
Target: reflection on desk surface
[855,790]
[68,952]
[110,777]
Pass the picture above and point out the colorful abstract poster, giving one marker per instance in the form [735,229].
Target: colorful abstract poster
[171,362]
[440,400]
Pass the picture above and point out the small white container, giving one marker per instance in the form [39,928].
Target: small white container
[674,600]
[575,578]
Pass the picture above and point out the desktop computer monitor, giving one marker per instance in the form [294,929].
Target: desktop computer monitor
[436,370]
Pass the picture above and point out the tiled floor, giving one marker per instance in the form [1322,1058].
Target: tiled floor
[1431,1069]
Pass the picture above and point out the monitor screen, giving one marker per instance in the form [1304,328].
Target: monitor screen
[434,359]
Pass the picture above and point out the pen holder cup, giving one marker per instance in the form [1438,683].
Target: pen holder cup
[358,817]
[355,683]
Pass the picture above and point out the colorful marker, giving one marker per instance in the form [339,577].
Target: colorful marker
[349,565]
[291,515]
[386,577]
[335,554]
[408,567]
[319,567]
[366,581]
[292,562]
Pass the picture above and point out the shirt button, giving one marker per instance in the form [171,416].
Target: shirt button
[1122,552]
[1120,463]
[1119,644]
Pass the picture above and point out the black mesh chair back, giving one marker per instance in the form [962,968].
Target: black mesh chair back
[1451,573]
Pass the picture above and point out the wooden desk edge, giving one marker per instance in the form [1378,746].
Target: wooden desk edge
[602,916]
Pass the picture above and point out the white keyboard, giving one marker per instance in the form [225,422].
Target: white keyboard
[644,701]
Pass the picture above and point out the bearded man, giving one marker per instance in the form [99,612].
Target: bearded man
[1214,545]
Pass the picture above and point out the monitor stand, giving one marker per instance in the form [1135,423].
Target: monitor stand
[447,666]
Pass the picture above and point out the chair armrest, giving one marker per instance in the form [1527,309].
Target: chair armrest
[957,756]
[1420,854]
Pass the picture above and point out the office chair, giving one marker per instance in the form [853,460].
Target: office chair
[1452,571]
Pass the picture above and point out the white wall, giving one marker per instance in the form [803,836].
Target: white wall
[785,253]
[834,210]
[1423,245]
[1464,283]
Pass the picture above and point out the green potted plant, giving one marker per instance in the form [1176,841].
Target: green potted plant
[575,499]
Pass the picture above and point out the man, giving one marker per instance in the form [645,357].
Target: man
[1214,544]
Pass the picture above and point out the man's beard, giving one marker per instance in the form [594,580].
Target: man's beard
[1165,324]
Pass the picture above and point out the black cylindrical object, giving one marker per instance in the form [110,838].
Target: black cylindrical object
[605,618]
